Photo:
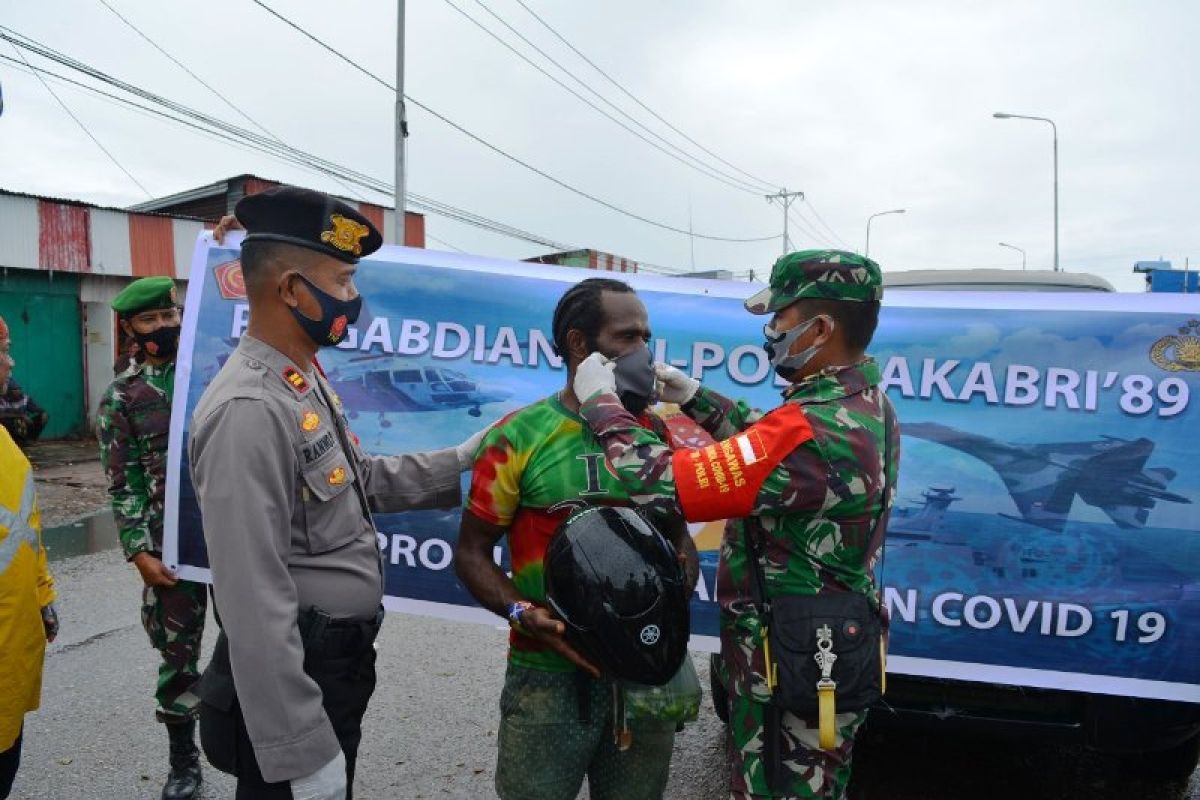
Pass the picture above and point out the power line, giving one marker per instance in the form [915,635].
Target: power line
[184,67]
[49,53]
[443,243]
[207,85]
[761,183]
[694,163]
[503,153]
[79,122]
[806,227]
[832,232]
[248,140]
[245,139]
[757,189]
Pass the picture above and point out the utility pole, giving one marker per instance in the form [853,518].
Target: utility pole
[785,199]
[401,130]
[691,235]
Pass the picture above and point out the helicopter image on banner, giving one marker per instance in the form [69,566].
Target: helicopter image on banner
[386,384]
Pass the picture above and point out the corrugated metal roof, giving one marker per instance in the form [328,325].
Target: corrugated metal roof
[71,202]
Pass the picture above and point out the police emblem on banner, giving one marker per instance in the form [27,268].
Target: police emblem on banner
[229,280]
[1179,353]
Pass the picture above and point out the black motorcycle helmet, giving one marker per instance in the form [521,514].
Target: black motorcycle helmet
[617,584]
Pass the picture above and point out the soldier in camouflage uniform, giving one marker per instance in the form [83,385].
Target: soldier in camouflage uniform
[812,472]
[134,423]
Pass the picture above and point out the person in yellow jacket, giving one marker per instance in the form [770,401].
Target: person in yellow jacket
[27,617]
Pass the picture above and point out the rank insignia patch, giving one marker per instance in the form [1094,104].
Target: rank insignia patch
[337,476]
[310,422]
[293,376]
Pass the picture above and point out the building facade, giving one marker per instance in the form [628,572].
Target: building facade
[63,261]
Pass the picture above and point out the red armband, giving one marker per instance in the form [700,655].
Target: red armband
[720,481]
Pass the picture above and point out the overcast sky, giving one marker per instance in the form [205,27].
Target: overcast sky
[864,106]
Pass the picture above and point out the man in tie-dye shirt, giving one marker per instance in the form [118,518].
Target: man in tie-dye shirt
[535,467]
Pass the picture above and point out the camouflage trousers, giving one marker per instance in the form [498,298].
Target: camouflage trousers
[808,772]
[174,620]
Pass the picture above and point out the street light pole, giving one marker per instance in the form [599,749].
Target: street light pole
[1019,250]
[867,248]
[1054,128]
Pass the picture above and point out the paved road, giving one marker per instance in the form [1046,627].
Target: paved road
[430,732]
[70,482]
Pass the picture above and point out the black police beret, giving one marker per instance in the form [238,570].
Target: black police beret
[309,219]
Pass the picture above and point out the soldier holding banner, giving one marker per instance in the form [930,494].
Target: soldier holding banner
[286,493]
[134,423]
[807,488]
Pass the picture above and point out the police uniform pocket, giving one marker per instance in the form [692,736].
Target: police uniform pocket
[332,514]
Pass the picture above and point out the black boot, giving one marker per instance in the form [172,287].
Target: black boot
[183,782]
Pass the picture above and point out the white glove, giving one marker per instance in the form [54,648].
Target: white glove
[327,783]
[467,450]
[594,375]
[674,386]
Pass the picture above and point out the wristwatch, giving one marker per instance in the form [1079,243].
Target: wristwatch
[516,610]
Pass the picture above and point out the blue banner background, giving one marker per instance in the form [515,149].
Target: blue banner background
[979,548]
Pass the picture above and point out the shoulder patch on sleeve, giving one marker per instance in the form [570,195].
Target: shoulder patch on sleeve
[720,481]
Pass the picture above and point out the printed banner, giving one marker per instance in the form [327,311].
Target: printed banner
[1047,526]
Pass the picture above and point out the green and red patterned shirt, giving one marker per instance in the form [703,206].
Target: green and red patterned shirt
[534,468]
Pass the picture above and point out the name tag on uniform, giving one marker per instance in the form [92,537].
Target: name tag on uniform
[320,447]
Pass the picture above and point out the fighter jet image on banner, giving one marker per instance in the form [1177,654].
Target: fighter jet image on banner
[1044,479]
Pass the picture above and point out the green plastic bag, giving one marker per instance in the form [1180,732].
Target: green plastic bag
[678,700]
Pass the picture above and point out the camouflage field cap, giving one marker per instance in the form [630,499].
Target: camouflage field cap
[821,275]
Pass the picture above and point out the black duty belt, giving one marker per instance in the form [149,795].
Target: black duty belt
[326,637]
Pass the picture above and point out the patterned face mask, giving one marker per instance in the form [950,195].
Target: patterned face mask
[780,342]
[336,316]
[159,343]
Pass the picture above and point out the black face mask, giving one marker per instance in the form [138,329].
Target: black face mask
[161,343]
[635,377]
[336,316]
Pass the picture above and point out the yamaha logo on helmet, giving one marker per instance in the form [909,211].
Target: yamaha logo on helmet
[650,635]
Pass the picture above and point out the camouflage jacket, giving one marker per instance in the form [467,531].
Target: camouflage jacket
[817,508]
[134,423]
[15,403]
